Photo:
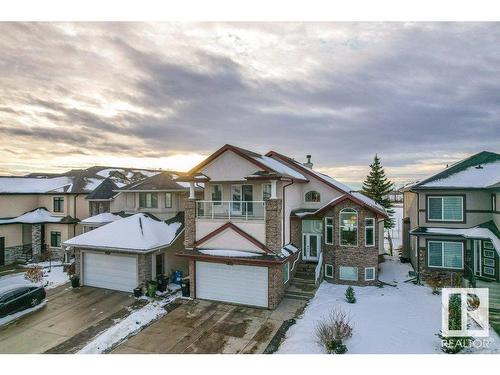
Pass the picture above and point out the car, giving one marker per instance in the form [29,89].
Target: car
[18,298]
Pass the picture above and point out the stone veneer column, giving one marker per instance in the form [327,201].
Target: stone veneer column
[189,223]
[273,224]
[36,241]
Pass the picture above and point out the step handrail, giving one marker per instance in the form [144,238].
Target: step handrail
[317,270]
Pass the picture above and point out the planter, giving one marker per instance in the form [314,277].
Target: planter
[152,287]
[138,292]
[162,283]
[75,282]
[185,289]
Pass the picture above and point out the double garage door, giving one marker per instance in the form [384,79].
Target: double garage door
[117,272]
[246,285]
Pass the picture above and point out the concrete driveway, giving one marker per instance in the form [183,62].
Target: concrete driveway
[211,327]
[68,312]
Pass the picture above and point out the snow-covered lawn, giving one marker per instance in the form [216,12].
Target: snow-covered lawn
[402,319]
[128,326]
[53,278]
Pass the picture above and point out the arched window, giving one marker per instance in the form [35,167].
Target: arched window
[312,196]
[348,227]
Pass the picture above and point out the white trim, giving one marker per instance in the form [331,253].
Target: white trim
[442,208]
[326,272]
[312,191]
[288,272]
[442,255]
[370,226]
[262,190]
[340,227]
[492,252]
[488,273]
[326,228]
[370,268]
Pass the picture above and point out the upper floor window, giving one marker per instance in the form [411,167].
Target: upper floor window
[168,200]
[266,191]
[55,239]
[329,230]
[58,204]
[370,231]
[312,196]
[445,208]
[348,227]
[216,193]
[148,200]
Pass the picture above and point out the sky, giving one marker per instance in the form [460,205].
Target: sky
[166,95]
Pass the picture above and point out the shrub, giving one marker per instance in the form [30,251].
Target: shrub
[350,295]
[34,274]
[453,345]
[333,330]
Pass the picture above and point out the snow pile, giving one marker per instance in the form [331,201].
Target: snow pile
[392,320]
[10,318]
[136,232]
[106,217]
[52,279]
[486,176]
[40,215]
[229,253]
[129,326]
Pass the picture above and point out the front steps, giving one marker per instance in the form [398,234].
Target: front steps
[494,293]
[302,285]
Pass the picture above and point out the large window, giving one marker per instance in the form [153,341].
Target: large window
[348,227]
[348,273]
[168,200]
[216,191]
[266,191]
[148,200]
[370,232]
[312,196]
[55,239]
[58,204]
[445,208]
[443,254]
[329,230]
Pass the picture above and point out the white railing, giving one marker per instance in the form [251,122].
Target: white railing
[317,270]
[242,210]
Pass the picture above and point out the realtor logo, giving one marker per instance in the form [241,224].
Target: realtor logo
[465,312]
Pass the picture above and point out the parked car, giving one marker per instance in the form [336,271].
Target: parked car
[18,298]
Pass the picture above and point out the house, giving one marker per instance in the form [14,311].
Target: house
[38,212]
[135,234]
[263,214]
[451,221]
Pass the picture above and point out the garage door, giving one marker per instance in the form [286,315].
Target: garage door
[246,285]
[117,272]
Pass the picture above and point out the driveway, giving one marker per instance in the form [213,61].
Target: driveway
[67,313]
[211,327]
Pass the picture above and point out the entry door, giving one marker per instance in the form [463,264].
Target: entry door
[2,251]
[239,195]
[310,246]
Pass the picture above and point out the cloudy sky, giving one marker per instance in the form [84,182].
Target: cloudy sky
[167,95]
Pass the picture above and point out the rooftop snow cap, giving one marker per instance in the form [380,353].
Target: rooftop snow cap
[308,163]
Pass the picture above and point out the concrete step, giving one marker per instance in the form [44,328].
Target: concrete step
[306,288]
[294,296]
[298,280]
[305,275]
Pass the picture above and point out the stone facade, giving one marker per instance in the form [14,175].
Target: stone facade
[274,225]
[13,253]
[358,256]
[192,279]
[145,264]
[189,223]
[36,241]
[296,232]
[276,288]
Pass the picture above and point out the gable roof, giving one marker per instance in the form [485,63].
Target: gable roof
[39,215]
[164,181]
[104,191]
[354,197]
[478,171]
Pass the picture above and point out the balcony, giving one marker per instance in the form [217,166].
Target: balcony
[229,210]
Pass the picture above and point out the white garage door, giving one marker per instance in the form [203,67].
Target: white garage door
[117,272]
[246,285]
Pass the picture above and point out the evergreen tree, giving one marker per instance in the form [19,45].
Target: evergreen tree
[377,187]
[350,296]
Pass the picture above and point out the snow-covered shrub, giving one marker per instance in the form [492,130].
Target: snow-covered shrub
[349,295]
[34,274]
[333,330]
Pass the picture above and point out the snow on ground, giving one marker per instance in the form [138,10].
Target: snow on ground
[10,318]
[53,278]
[128,326]
[392,320]
[397,231]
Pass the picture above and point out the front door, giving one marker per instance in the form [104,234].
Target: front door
[2,251]
[310,246]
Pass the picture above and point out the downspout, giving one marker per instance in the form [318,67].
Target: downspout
[283,210]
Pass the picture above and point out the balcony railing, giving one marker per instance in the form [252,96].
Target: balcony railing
[241,210]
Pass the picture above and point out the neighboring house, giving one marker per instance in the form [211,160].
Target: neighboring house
[135,234]
[452,220]
[243,238]
[38,212]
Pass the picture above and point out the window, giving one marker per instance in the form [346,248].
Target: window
[148,200]
[286,272]
[55,239]
[348,273]
[58,204]
[266,191]
[488,245]
[489,253]
[348,227]
[448,208]
[168,200]
[329,270]
[489,262]
[445,254]
[312,196]
[216,194]
[370,232]
[329,230]
[489,271]
[493,202]
[369,273]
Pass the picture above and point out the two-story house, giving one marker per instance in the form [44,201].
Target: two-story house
[261,215]
[452,220]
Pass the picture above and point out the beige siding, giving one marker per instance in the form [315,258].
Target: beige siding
[255,229]
[13,234]
[67,232]
[12,205]
[410,208]
[229,167]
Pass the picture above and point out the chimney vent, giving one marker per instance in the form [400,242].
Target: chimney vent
[308,163]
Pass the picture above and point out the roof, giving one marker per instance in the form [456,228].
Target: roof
[478,171]
[235,255]
[356,197]
[104,191]
[100,219]
[38,216]
[164,181]
[487,230]
[137,233]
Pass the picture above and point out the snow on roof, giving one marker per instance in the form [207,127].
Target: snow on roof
[367,200]
[106,217]
[34,185]
[40,215]
[138,232]
[230,253]
[288,250]
[279,167]
[474,177]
